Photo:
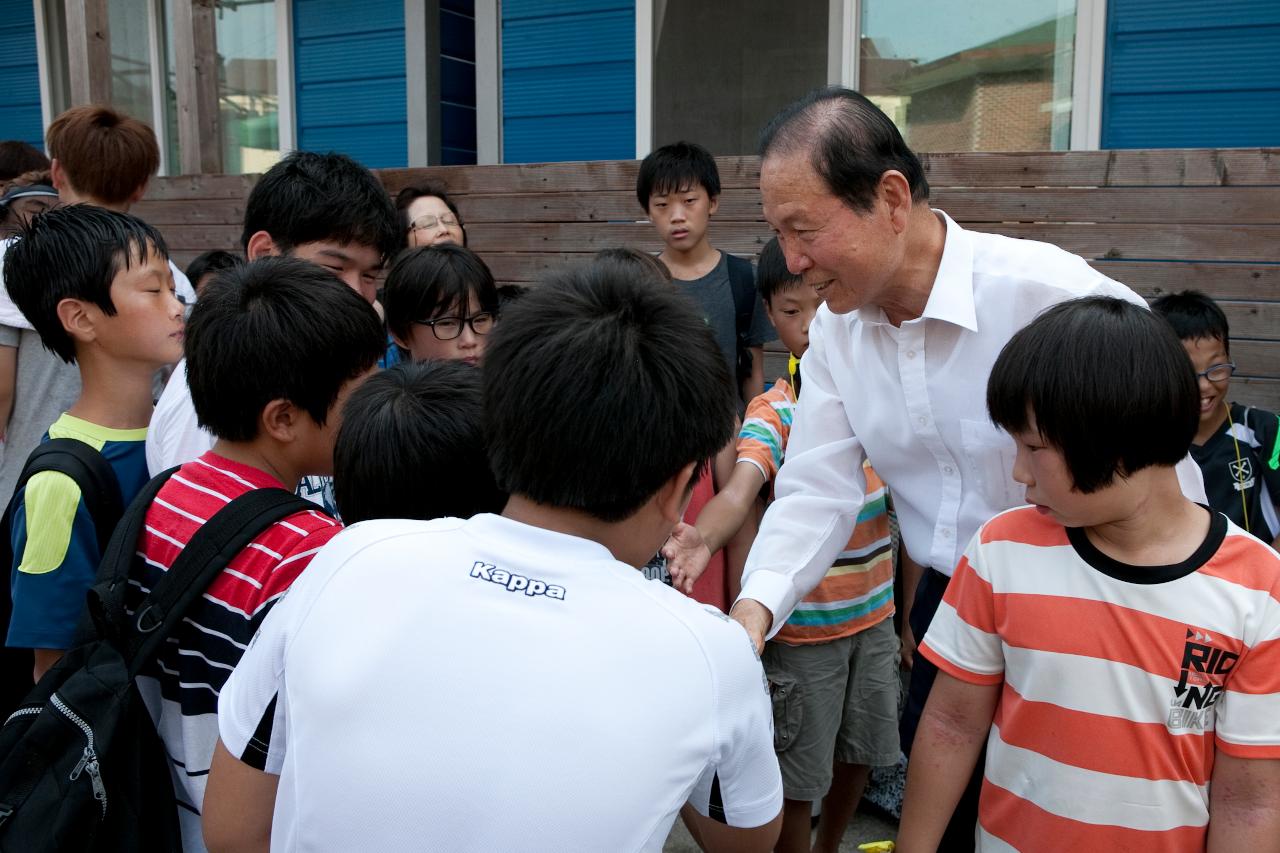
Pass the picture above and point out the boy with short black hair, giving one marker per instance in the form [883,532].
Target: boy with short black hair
[202,270]
[96,286]
[833,667]
[588,702]
[322,208]
[410,426]
[1115,646]
[679,188]
[1237,447]
[274,349]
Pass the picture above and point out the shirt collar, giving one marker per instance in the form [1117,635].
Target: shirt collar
[951,297]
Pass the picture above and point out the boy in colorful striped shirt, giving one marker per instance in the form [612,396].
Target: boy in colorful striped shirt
[832,667]
[1114,645]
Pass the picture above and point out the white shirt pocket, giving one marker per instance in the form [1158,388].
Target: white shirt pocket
[988,455]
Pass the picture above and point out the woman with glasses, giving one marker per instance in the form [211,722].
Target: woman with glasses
[441,303]
[429,216]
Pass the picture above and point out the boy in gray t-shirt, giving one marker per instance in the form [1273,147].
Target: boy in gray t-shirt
[679,188]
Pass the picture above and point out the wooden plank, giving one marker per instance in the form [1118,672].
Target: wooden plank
[1263,393]
[1168,242]
[195,187]
[1256,358]
[1258,320]
[1223,281]
[88,52]
[592,237]
[618,175]
[741,205]
[199,133]
[200,238]
[1115,168]
[193,212]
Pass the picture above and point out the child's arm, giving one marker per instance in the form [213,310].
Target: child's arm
[238,805]
[8,384]
[1244,805]
[952,730]
[911,574]
[690,548]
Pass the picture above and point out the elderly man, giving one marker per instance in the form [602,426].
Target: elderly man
[917,308]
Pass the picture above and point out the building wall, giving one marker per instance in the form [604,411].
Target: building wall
[1186,73]
[568,80]
[19,74]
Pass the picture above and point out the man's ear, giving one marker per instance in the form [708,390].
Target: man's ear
[713,205]
[895,192]
[78,319]
[279,420]
[673,496]
[261,245]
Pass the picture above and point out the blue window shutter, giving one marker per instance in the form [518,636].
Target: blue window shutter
[19,74]
[1189,74]
[568,80]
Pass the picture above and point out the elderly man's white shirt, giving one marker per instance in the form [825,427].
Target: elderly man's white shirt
[912,398]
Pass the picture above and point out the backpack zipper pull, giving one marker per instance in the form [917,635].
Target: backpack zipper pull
[95,778]
[81,764]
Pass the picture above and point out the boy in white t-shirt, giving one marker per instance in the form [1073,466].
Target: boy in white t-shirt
[513,682]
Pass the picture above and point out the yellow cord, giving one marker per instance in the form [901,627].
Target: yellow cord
[1239,478]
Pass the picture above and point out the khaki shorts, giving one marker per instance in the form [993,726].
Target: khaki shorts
[835,701]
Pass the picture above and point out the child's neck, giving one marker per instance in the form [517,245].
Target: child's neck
[1163,527]
[1209,427]
[692,263]
[263,454]
[618,538]
[114,394]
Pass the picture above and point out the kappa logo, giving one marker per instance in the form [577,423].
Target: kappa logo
[1241,474]
[516,583]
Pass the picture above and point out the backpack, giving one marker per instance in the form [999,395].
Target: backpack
[82,767]
[100,490]
[742,281]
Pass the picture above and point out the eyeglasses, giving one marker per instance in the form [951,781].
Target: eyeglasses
[429,220]
[1218,372]
[448,328]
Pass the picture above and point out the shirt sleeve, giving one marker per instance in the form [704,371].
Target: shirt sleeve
[762,440]
[1247,721]
[251,706]
[819,492]
[962,639]
[742,787]
[174,436]
[10,336]
[1268,434]
[55,546]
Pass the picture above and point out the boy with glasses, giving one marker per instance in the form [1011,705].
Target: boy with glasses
[441,303]
[1237,447]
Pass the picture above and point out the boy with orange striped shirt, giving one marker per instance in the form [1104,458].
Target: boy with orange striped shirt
[832,668]
[1114,645]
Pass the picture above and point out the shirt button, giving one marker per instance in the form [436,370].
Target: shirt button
[922,421]
[948,470]
[946,534]
[911,353]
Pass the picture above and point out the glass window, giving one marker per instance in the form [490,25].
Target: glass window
[130,39]
[996,77]
[722,68]
[247,97]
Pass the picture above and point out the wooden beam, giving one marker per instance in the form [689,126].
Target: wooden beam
[88,52]
[199,125]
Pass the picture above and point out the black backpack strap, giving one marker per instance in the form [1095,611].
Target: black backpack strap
[742,282]
[106,598]
[212,547]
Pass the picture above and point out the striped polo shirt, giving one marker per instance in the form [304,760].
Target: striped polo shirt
[857,591]
[181,687]
[1118,684]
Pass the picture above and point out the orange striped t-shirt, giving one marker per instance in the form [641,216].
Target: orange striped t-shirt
[857,591]
[1118,683]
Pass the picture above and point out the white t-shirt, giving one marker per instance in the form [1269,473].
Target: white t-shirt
[487,685]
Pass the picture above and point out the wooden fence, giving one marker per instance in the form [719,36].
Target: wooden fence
[1157,220]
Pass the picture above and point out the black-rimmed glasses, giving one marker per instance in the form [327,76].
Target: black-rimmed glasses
[448,328]
[1218,372]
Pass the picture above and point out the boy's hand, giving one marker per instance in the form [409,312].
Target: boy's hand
[687,556]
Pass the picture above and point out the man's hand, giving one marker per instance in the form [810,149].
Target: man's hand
[687,556]
[907,653]
[755,618]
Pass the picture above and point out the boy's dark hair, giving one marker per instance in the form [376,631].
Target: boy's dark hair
[1108,384]
[309,197]
[17,157]
[429,279]
[637,367]
[675,168]
[106,155]
[409,425]
[73,252]
[1194,316]
[851,143]
[215,260]
[772,275]
[276,328]
[642,262]
[508,294]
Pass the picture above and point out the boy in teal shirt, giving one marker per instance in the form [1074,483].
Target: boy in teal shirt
[97,287]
